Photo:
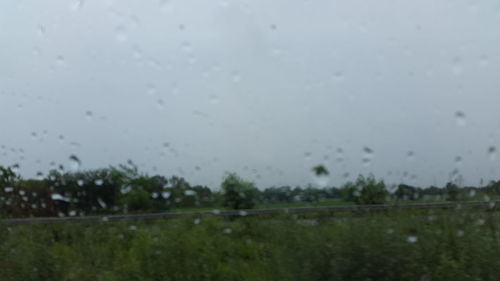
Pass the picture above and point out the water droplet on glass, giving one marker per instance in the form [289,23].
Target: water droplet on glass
[74,163]
[472,193]
[88,115]
[410,155]
[121,33]
[492,152]
[458,160]
[197,221]
[321,176]
[273,26]
[460,118]
[460,233]
[235,77]
[80,182]
[368,156]
[456,66]
[8,189]
[132,227]
[98,182]
[480,222]
[484,60]
[390,231]
[165,194]
[102,203]
[77,5]
[72,213]
[243,213]
[60,61]
[189,193]
[59,197]
[154,195]
[412,239]
[227,230]
[125,189]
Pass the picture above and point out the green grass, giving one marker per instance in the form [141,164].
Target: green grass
[398,245]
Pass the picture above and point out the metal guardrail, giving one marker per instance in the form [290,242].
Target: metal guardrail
[234,213]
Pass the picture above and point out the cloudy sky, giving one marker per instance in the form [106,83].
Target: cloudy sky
[409,91]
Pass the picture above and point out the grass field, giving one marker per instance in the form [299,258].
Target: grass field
[397,245]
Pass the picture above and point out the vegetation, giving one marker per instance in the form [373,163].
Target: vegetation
[124,189]
[238,193]
[418,245]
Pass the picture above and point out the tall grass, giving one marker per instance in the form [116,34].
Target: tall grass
[398,245]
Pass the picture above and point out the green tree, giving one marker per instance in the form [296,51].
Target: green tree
[365,191]
[238,193]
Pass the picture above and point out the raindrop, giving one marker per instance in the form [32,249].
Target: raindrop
[273,26]
[235,77]
[187,47]
[460,233]
[472,193]
[189,193]
[160,103]
[216,212]
[480,222]
[456,67]
[338,76]
[125,189]
[132,227]
[412,239]
[80,182]
[390,231]
[101,203]
[458,160]
[492,152]
[460,118]
[41,30]
[88,115]
[321,176]
[59,197]
[213,99]
[8,189]
[78,5]
[307,156]
[243,213]
[151,89]
[98,182]
[410,155]
[121,33]
[72,213]
[154,195]
[181,27]
[165,194]
[484,60]
[368,155]
[104,219]
[75,163]
[227,231]
[197,221]
[60,60]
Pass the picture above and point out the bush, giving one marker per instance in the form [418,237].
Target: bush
[238,194]
[365,191]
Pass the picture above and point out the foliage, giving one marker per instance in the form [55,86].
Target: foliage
[406,245]
[365,191]
[238,193]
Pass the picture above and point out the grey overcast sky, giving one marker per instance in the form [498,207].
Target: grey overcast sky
[268,89]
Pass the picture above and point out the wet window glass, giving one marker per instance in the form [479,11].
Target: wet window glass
[249,140]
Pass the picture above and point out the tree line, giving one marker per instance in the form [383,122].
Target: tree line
[124,189]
